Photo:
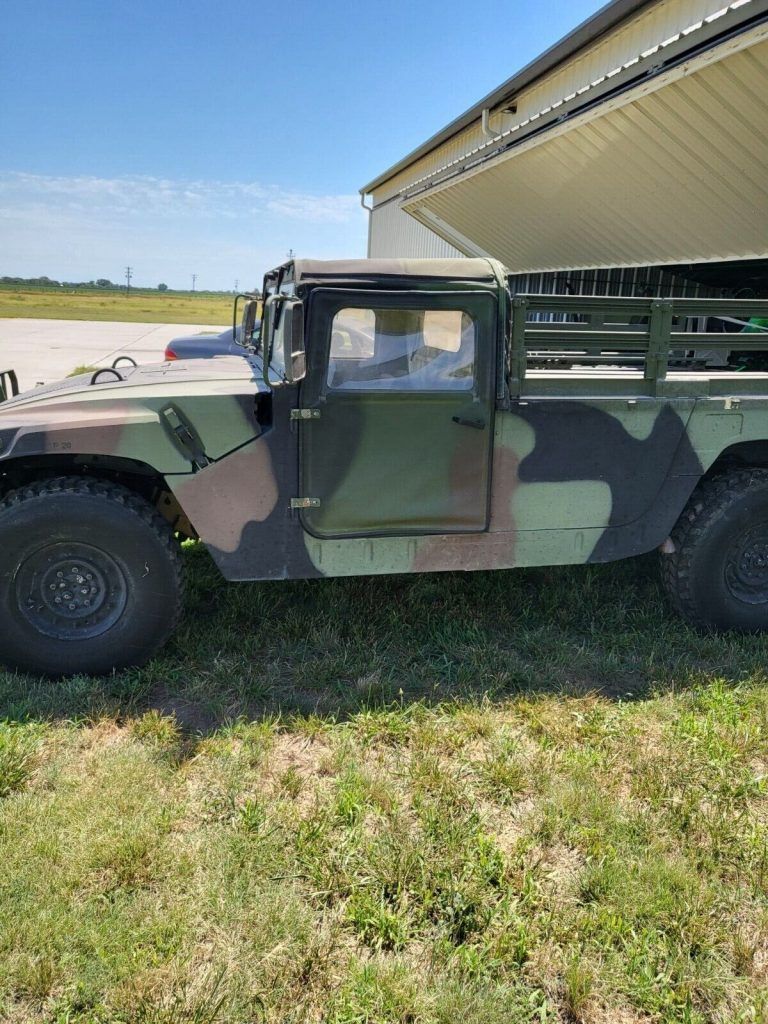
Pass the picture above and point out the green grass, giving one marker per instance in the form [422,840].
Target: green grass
[139,307]
[511,797]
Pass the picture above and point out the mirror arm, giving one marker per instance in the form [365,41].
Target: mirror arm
[234,320]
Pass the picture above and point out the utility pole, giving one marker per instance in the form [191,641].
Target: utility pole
[194,278]
[128,276]
[291,253]
[237,284]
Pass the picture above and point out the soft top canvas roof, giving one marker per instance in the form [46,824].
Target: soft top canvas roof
[305,271]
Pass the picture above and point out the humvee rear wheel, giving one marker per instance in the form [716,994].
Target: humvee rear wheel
[90,577]
[717,576]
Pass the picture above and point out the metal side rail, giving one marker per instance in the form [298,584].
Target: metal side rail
[602,327]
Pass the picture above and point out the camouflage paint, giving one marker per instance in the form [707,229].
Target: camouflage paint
[576,475]
[123,418]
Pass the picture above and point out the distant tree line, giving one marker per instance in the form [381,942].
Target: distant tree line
[49,282]
[101,283]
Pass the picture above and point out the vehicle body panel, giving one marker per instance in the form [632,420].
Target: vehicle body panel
[552,502]
[122,417]
[205,346]
[582,465]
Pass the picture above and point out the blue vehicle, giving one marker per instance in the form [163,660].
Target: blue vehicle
[203,346]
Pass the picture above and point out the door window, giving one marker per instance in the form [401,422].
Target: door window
[402,350]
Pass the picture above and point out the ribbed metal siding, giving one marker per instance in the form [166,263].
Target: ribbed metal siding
[656,282]
[648,29]
[675,176]
[618,281]
[391,232]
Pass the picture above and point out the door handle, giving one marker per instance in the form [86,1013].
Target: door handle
[463,421]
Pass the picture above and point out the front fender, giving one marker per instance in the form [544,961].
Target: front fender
[111,428]
[127,428]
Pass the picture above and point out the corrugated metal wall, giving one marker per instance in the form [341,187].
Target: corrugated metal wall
[634,281]
[645,31]
[391,232]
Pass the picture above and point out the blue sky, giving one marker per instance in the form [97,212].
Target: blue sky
[209,138]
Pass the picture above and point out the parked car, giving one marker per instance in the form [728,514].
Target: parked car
[203,346]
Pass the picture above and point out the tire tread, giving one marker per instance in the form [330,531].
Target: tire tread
[711,499]
[135,504]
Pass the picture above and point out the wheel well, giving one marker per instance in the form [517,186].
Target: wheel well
[745,453]
[137,476]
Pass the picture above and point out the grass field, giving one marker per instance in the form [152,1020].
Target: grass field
[139,307]
[449,799]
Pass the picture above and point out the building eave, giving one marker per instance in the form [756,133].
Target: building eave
[583,35]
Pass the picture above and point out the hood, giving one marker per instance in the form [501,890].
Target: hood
[128,417]
[191,375]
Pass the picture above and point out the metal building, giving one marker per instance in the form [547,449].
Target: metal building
[639,139]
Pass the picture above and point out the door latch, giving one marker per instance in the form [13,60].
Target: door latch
[465,422]
[305,502]
[305,414]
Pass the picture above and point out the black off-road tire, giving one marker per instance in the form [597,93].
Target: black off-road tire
[717,577]
[90,578]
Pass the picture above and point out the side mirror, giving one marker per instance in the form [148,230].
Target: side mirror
[250,314]
[283,333]
[248,321]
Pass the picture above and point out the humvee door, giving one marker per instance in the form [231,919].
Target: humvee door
[400,385]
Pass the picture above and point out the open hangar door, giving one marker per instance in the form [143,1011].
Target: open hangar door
[661,162]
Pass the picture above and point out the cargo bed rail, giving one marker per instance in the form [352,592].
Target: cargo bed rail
[601,328]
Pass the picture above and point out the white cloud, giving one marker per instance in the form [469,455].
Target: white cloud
[83,227]
[140,193]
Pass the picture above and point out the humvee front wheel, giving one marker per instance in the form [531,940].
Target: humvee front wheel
[90,578]
[717,576]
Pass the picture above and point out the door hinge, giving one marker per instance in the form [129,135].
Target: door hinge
[305,502]
[305,414]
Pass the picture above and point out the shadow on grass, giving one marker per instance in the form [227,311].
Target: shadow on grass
[334,647]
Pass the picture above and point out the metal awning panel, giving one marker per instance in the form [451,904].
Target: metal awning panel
[669,173]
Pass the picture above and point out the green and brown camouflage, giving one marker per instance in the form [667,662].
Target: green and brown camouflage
[537,446]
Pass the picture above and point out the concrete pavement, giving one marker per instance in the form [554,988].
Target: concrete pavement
[45,350]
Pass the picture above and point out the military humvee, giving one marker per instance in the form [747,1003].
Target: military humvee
[393,416]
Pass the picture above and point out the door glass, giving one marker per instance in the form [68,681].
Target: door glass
[402,350]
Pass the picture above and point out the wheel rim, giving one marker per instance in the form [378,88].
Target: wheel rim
[746,567]
[71,591]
